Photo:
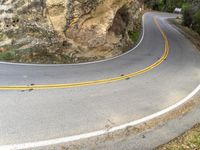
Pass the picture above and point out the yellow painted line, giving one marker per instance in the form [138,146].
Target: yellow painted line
[103,81]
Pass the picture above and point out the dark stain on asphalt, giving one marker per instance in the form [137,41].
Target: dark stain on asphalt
[30,90]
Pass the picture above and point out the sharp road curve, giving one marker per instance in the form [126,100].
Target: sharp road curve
[46,102]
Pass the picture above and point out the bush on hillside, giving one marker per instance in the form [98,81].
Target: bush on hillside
[187,17]
[196,21]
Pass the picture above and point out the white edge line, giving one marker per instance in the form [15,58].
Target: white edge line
[87,63]
[100,132]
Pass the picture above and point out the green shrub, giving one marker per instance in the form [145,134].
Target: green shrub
[187,17]
[8,55]
[185,6]
[134,35]
[196,22]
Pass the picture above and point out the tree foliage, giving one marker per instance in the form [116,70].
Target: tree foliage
[196,21]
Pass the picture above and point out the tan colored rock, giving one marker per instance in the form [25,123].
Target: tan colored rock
[56,11]
[91,29]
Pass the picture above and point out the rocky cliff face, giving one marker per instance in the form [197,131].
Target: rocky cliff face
[65,31]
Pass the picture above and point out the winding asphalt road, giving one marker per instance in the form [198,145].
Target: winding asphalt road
[163,69]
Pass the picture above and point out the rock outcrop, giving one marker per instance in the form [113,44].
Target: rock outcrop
[54,31]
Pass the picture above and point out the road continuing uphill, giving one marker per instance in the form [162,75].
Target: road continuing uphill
[45,102]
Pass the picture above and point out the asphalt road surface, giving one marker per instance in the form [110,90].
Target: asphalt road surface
[28,114]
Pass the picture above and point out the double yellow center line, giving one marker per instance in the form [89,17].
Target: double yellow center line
[103,81]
